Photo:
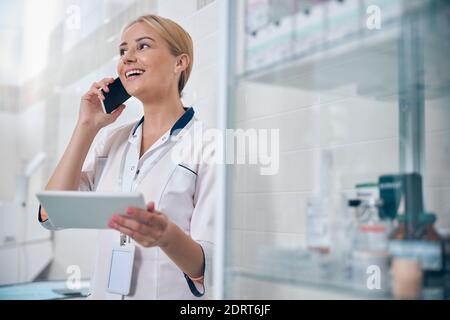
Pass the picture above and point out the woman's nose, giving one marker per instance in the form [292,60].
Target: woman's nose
[128,57]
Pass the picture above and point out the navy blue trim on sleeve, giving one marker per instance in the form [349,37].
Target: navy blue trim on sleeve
[191,284]
[193,288]
[39,214]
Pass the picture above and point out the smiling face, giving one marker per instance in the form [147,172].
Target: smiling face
[147,68]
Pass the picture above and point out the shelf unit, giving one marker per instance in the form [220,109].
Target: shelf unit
[403,64]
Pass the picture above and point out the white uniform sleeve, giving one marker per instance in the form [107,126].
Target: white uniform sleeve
[93,166]
[202,222]
[88,176]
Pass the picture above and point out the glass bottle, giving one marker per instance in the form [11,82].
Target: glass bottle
[432,262]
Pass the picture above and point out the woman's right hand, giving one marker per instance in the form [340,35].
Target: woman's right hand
[91,111]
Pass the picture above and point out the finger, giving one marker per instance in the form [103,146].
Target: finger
[91,94]
[139,214]
[150,206]
[108,80]
[100,94]
[147,239]
[105,82]
[96,85]
[119,109]
[96,91]
[155,220]
[132,224]
[142,215]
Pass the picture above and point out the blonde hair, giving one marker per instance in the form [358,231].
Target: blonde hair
[178,40]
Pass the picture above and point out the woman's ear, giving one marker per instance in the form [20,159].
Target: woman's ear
[182,63]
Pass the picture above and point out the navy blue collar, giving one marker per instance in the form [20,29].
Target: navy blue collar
[180,124]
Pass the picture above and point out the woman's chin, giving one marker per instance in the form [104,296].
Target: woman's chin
[133,90]
[138,94]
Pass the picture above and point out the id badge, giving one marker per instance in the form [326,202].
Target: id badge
[121,269]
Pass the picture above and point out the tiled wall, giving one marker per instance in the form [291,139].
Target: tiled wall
[201,20]
[437,159]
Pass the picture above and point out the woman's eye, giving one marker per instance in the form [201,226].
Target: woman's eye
[122,52]
[143,45]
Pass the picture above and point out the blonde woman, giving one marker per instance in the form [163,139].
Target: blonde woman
[173,237]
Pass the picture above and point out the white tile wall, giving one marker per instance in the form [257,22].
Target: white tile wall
[289,207]
[8,145]
[258,100]
[365,162]
[296,173]
[203,27]
[438,201]
[437,158]
[31,141]
[357,119]
[298,128]
[437,113]
[177,10]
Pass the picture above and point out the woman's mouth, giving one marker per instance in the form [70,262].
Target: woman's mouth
[133,74]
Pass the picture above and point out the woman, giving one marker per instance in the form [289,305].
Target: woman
[173,237]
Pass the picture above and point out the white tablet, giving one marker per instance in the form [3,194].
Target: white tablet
[86,210]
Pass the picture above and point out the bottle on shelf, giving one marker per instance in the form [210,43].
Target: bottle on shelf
[426,246]
[433,266]
[370,243]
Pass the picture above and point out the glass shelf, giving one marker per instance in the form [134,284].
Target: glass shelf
[371,100]
[355,57]
[272,12]
[338,288]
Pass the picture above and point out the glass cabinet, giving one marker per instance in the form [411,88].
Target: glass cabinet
[339,95]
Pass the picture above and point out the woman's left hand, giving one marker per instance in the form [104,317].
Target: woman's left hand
[149,227]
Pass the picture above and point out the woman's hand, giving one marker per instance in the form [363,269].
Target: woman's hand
[91,111]
[149,227]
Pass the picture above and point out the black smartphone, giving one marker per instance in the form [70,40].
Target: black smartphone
[116,96]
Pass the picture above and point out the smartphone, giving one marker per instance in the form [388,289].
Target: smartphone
[116,96]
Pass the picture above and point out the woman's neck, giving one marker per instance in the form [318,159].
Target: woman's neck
[160,116]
